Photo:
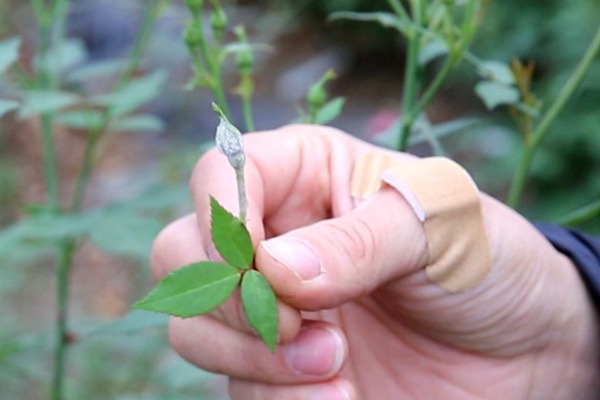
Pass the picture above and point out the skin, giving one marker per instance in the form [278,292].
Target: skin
[359,318]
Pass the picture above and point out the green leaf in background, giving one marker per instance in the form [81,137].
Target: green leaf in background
[432,50]
[98,69]
[133,95]
[7,106]
[192,290]
[494,94]
[385,19]
[330,111]
[85,120]
[496,71]
[230,236]
[260,306]
[9,52]
[64,55]
[39,102]
[124,232]
[139,123]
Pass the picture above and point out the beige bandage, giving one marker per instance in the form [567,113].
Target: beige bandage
[447,202]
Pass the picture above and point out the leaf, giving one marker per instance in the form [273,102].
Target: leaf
[64,55]
[133,95]
[85,120]
[230,236]
[260,306]
[9,52]
[385,19]
[192,290]
[40,102]
[98,69]
[432,50]
[496,71]
[139,123]
[7,106]
[330,111]
[494,94]
[124,232]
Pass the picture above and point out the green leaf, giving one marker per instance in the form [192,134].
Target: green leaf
[385,19]
[330,111]
[40,102]
[496,71]
[432,50]
[64,55]
[9,53]
[230,236]
[85,120]
[139,123]
[192,290]
[7,106]
[98,69]
[124,232]
[133,95]
[260,306]
[495,94]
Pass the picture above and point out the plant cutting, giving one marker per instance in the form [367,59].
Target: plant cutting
[201,287]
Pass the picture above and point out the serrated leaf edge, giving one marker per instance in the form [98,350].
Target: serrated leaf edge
[143,303]
[214,203]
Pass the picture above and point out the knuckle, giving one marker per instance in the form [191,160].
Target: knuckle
[356,241]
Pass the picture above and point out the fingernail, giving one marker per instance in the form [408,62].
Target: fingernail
[296,256]
[315,352]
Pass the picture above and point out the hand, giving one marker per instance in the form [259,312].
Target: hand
[358,317]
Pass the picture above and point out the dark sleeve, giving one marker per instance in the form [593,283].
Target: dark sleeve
[582,249]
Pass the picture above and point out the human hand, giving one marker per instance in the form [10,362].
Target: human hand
[359,318]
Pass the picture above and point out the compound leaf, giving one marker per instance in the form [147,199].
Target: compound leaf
[260,306]
[192,290]
[230,236]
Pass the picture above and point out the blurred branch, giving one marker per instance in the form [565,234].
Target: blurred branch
[541,130]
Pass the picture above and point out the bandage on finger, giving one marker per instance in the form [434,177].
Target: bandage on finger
[447,202]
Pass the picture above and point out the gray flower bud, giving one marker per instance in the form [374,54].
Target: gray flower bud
[229,142]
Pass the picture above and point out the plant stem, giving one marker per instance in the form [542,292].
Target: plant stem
[541,130]
[581,215]
[411,74]
[62,318]
[247,110]
[44,81]
[68,247]
[242,199]
[150,15]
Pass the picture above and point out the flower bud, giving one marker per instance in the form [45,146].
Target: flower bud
[193,35]
[218,19]
[195,6]
[229,140]
[317,96]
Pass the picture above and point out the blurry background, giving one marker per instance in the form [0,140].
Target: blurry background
[141,177]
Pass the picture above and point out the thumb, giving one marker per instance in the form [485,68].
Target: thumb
[337,260]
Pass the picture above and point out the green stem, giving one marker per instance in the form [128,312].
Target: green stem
[62,318]
[398,9]
[98,132]
[248,114]
[541,130]
[217,88]
[582,215]
[411,74]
